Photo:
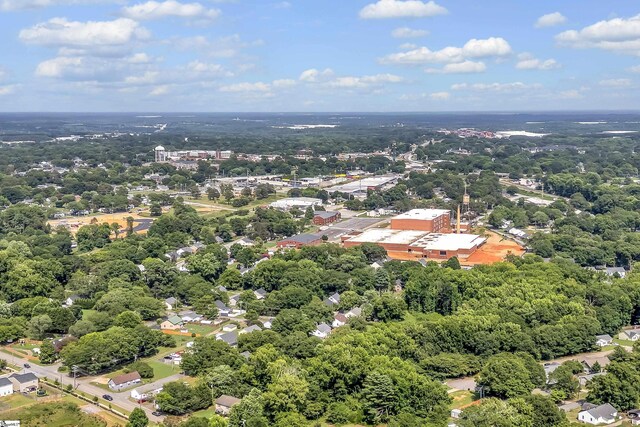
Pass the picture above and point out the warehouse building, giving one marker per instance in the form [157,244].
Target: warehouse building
[419,244]
[431,220]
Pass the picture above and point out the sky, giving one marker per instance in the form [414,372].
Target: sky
[318,55]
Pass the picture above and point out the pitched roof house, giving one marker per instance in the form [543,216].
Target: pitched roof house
[125,380]
[603,414]
[322,331]
[224,404]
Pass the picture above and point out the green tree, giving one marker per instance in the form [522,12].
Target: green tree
[138,418]
[48,353]
[379,397]
[506,375]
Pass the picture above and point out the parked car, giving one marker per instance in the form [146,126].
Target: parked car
[157,413]
[107,397]
[26,365]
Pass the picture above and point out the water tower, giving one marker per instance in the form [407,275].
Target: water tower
[161,154]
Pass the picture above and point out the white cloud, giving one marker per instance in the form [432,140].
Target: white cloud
[495,87]
[159,90]
[474,48]
[152,10]
[84,35]
[8,89]
[283,83]
[140,58]
[214,70]
[440,96]
[620,35]
[12,5]
[313,75]
[406,33]
[550,20]
[223,47]
[3,73]
[465,67]
[401,9]
[408,46]
[615,82]
[634,69]
[353,82]
[527,61]
[247,87]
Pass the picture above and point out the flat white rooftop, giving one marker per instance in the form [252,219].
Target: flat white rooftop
[386,235]
[423,214]
[419,239]
[448,242]
[363,184]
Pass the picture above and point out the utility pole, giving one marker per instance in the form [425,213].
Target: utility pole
[74,368]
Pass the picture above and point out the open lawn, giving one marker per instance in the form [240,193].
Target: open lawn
[626,343]
[200,329]
[53,414]
[16,400]
[460,399]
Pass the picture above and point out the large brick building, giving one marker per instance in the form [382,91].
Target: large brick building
[324,218]
[431,220]
[300,240]
[419,233]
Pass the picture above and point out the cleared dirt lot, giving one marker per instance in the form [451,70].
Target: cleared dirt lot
[141,224]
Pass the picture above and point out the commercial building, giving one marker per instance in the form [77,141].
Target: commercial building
[431,220]
[359,188]
[300,240]
[324,218]
[419,244]
[295,202]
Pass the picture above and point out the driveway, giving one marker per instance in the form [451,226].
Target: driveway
[84,385]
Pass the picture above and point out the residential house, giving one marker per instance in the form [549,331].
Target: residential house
[584,379]
[224,404]
[549,368]
[234,300]
[124,381]
[260,293]
[300,240]
[144,394]
[230,327]
[172,323]
[590,363]
[170,303]
[221,288]
[71,299]
[245,241]
[630,334]
[325,217]
[456,413]
[634,416]
[6,387]
[246,354]
[267,324]
[249,329]
[223,310]
[322,331]
[616,272]
[333,300]
[603,340]
[230,338]
[354,312]
[24,382]
[339,320]
[189,316]
[603,414]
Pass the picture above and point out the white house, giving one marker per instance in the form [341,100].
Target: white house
[631,335]
[603,340]
[603,414]
[143,394]
[339,320]
[6,387]
[322,331]
[170,303]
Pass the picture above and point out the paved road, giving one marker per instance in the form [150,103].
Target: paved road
[84,385]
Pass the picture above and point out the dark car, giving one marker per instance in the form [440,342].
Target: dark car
[156,413]
[107,397]
[26,365]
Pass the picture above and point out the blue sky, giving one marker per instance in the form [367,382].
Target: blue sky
[319,55]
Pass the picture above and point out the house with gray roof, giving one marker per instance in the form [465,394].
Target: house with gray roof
[602,414]
[603,340]
[630,334]
[322,331]
[6,387]
[24,382]
[230,338]
[249,329]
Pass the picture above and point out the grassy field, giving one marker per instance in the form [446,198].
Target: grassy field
[53,414]
[461,398]
[626,343]
[200,329]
